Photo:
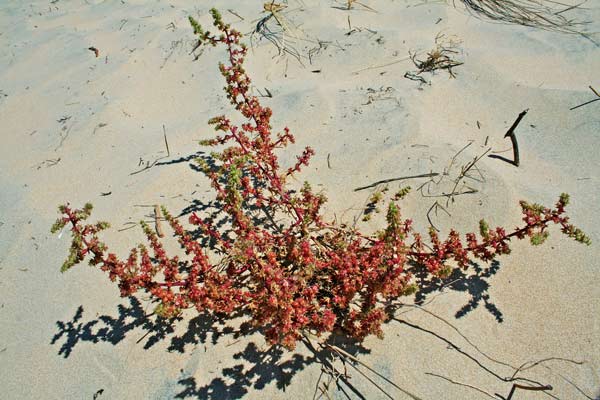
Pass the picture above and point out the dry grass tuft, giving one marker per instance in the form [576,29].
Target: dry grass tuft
[542,14]
[440,58]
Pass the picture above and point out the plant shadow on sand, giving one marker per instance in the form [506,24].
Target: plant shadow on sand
[475,284]
[256,368]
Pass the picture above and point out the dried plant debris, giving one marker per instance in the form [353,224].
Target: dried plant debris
[383,93]
[542,14]
[350,5]
[279,30]
[461,176]
[440,58]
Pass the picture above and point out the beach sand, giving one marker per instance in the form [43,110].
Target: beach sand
[76,128]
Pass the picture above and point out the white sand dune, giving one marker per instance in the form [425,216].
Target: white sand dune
[75,126]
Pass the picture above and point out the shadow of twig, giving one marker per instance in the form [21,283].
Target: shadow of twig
[506,160]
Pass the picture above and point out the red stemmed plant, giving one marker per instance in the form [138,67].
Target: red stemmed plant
[301,273]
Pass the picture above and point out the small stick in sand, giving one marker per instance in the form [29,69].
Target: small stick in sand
[95,50]
[435,207]
[511,134]
[98,393]
[588,102]
[461,384]
[429,175]
[159,230]
[236,14]
[380,66]
[518,386]
[463,174]
[166,143]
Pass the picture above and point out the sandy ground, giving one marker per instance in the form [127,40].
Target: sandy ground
[74,127]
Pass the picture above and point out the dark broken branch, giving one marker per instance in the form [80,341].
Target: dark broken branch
[524,387]
[588,102]
[511,134]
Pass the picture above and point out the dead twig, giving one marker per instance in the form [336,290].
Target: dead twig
[95,50]
[524,387]
[429,175]
[447,169]
[48,163]
[64,134]
[380,66]
[330,368]
[236,14]
[147,167]
[166,142]
[100,125]
[530,364]
[435,206]
[414,77]
[523,367]
[463,174]
[588,102]
[462,384]
[157,217]
[444,177]
[356,360]
[513,138]
[371,381]
[466,339]
[322,46]
[469,356]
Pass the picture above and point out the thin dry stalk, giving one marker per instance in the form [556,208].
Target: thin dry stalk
[157,217]
[350,357]
[455,329]
[462,384]
[542,14]
[588,102]
[463,174]
[459,186]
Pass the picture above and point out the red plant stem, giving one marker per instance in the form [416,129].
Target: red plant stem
[483,245]
[246,101]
